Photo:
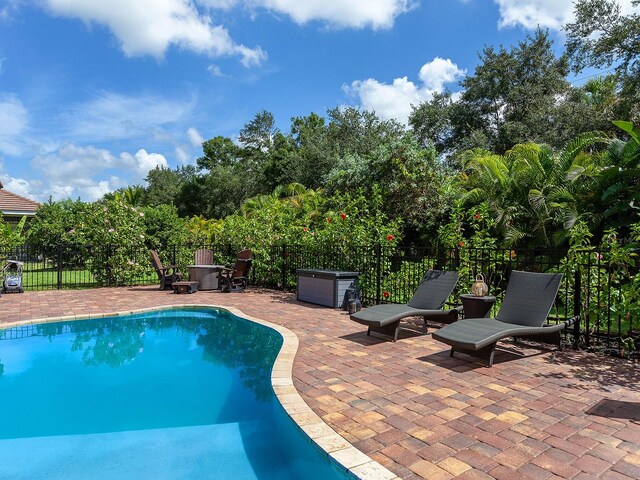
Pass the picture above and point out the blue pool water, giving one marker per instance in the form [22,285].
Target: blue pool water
[175,394]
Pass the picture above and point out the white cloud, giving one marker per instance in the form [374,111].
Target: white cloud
[149,27]
[544,13]
[114,116]
[142,162]
[14,120]
[8,7]
[194,137]
[72,171]
[394,101]
[338,13]
[182,155]
[215,71]
[17,185]
[438,72]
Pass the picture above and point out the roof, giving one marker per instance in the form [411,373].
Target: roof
[14,204]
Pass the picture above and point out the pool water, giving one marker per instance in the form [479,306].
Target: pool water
[174,394]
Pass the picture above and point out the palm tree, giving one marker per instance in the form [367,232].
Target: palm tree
[618,188]
[533,192]
[131,195]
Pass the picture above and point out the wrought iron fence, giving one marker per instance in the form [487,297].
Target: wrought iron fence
[591,288]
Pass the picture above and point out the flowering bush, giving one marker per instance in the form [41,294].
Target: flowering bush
[115,236]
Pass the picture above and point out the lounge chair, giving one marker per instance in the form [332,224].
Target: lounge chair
[427,302]
[166,275]
[203,256]
[526,305]
[236,278]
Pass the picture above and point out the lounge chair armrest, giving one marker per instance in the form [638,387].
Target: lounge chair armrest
[164,270]
[572,320]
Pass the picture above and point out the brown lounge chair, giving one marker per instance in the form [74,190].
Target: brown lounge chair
[166,275]
[236,279]
[526,305]
[427,302]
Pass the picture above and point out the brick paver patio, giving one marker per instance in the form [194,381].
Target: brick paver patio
[414,409]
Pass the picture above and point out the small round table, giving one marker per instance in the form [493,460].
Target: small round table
[477,307]
[208,276]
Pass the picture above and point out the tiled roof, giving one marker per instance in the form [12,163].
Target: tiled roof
[14,203]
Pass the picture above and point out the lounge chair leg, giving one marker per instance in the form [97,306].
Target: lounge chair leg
[369,331]
[395,334]
[451,352]
[490,360]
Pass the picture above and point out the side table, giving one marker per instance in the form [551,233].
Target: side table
[477,307]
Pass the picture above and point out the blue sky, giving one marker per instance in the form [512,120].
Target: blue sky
[93,94]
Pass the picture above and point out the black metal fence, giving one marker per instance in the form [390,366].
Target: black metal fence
[604,299]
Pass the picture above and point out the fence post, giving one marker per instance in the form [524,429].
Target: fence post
[577,306]
[283,255]
[378,272]
[59,263]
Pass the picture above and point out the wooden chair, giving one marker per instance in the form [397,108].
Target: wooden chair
[203,256]
[236,279]
[166,275]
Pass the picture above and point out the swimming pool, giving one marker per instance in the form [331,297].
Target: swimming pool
[167,394]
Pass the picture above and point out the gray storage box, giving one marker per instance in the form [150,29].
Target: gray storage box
[323,287]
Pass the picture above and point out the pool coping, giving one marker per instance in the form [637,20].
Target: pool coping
[356,463]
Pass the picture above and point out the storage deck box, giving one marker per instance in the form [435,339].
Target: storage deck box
[323,287]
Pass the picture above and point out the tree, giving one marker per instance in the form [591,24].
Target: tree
[54,224]
[164,184]
[590,107]
[12,236]
[131,195]
[258,133]
[216,194]
[617,199]
[360,132]
[601,37]
[409,178]
[218,151]
[313,153]
[280,166]
[513,94]
[431,122]
[534,194]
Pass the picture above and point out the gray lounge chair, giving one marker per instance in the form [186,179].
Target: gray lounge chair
[526,305]
[427,302]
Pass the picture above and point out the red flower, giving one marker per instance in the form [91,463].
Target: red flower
[385,294]
[477,215]
[343,215]
[389,237]
[305,229]
[461,243]
[328,219]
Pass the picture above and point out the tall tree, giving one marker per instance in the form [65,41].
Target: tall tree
[431,122]
[164,184]
[218,151]
[601,37]
[513,93]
